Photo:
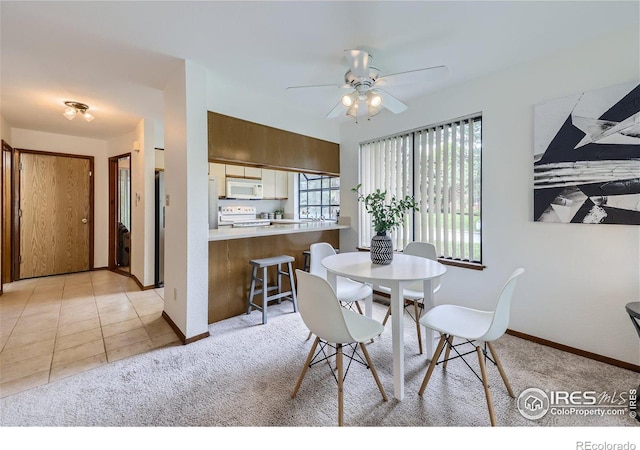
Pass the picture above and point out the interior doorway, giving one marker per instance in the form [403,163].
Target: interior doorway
[120,213]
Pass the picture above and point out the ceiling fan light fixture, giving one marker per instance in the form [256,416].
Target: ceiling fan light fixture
[73,108]
[349,99]
[373,111]
[374,99]
[353,111]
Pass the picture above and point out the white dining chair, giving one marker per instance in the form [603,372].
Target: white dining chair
[348,292]
[414,293]
[334,327]
[476,327]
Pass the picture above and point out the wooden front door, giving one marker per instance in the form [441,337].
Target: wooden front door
[55,214]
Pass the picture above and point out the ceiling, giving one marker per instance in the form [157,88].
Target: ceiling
[117,56]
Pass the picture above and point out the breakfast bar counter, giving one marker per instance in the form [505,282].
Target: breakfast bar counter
[228,232]
[231,249]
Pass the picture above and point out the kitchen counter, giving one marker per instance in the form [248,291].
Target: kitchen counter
[227,233]
[231,249]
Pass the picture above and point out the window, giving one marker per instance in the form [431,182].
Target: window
[319,196]
[440,166]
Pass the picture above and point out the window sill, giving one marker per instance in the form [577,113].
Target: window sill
[445,261]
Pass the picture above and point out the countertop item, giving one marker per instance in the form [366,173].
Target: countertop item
[226,233]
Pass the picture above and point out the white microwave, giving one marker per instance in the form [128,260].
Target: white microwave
[240,188]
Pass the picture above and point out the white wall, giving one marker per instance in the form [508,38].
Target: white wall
[251,106]
[5,131]
[142,198]
[186,272]
[578,277]
[60,143]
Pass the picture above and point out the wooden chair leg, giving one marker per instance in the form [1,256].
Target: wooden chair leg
[434,361]
[373,370]
[416,309]
[485,383]
[340,382]
[358,307]
[448,352]
[309,335]
[305,367]
[386,317]
[500,369]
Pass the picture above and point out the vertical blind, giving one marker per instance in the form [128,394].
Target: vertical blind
[440,166]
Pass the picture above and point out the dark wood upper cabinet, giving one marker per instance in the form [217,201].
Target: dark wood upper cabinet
[238,141]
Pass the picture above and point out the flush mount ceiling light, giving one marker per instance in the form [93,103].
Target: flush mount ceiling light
[74,108]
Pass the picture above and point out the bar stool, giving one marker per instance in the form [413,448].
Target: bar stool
[307,260]
[264,287]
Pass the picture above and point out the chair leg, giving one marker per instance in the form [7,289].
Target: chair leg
[500,369]
[340,382]
[265,285]
[386,317]
[309,336]
[373,370]
[434,361]
[293,289]
[306,366]
[448,352]
[485,383]
[416,309]
[252,287]
[358,307]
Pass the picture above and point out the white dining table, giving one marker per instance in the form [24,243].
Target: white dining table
[404,269]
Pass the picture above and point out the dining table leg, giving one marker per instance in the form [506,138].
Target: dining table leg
[429,303]
[397,334]
[368,304]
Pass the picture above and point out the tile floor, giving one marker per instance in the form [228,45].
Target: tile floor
[54,327]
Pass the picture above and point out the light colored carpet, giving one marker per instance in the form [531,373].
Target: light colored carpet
[243,375]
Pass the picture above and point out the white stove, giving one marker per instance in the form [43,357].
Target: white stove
[241,216]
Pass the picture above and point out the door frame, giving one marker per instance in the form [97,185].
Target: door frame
[8,249]
[16,202]
[113,177]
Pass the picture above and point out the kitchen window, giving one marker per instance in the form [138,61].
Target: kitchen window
[440,165]
[319,196]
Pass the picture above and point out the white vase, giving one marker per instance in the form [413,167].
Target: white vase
[381,249]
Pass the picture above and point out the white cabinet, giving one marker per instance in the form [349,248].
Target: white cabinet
[275,184]
[253,172]
[282,184]
[218,172]
[268,183]
[243,172]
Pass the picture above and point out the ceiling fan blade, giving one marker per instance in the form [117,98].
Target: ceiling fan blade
[336,111]
[390,102]
[414,76]
[359,62]
[341,86]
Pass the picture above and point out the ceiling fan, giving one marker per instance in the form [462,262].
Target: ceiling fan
[366,84]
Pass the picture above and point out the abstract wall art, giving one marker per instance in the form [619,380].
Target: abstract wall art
[587,157]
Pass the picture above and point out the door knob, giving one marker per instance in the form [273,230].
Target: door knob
[84,221]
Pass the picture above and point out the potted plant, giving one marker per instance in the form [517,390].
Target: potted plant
[279,213]
[385,217]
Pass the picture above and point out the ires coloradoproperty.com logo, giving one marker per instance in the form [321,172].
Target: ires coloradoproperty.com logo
[534,403]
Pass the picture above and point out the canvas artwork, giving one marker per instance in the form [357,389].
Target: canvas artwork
[587,157]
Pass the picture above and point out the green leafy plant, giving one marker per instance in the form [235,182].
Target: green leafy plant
[385,215]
